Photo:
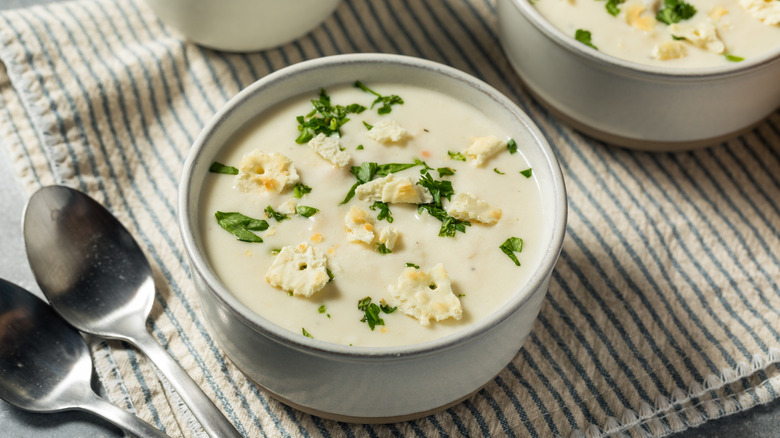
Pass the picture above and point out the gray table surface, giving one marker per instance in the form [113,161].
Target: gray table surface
[759,422]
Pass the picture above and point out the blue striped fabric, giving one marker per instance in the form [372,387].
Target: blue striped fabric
[664,308]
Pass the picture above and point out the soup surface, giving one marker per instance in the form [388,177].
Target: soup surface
[430,234]
[672,33]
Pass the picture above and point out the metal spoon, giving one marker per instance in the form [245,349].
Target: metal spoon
[95,275]
[45,364]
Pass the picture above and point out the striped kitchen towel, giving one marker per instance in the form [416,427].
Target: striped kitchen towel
[663,310]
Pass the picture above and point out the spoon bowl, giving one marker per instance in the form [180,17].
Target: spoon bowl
[45,365]
[96,276]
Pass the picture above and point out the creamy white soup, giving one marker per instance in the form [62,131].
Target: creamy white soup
[671,33]
[436,235]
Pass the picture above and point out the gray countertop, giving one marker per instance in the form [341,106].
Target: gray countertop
[761,421]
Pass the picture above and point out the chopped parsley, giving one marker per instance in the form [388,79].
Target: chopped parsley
[675,11]
[511,246]
[456,156]
[369,170]
[323,310]
[385,101]
[360,147]
[422,163]
[584,37]
[382,248]
[276,215]
[441,189]
[445,171]
[305,211]
[330,274]
[527,172]
[371,312]
[275,250]
[384,211]
[368,125]
[412,265]
[305,333]
[241,226]
[613,6]
[300,189]
[733,58]
[512,146]
[221,168]
[495,169]
[325,118]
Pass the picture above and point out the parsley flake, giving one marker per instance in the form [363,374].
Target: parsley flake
[371,312]
[383,249]
[300,189]
[495,169]
[613,7]
[305,211]
[384,211]
[369,170]
[368,125]
[305,333]
[276,215]
[412,265]
[221,168]
[512,146]
[445,171]
[360,147]
[675,11]
[386,101]
[325,118]
[584,37]
[527,172]
[733,58]
[511,246]
[241,226]
[456,156]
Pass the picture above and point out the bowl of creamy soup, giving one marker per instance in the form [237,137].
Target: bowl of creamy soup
[648,74]
[371,223]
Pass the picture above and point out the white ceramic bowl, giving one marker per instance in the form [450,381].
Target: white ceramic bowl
[337,381]
[242,25]
[630,104]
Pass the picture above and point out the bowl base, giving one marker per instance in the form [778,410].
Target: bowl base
[366,420]
[634,143]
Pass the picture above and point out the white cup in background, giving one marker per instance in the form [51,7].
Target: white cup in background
[242,25]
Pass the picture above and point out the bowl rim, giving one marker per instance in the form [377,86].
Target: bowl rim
[629,67]
[200,266]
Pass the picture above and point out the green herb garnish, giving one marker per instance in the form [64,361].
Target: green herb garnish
[371,312]
[511,246]
[384,211]
[439,189]
[305,333]
[241,226]
[512,146]
[305,211]
[412,265]
[221,168]
[330,274]
[360,147]
[382,248]
[527,172]
[495,169]
[584,37]
[445,171]
[733,58]
[299,190]
[275,250]
[613,7]
[276,215]
[368,125]
[422,163]
[456,156]
[325,118]
[675,11]
[386,101]
[449,225]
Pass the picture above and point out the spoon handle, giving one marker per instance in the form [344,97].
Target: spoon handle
[207,413]
[120,417]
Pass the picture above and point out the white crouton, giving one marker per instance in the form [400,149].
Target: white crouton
[393,190]
[702,35]
[388,236]
[637,18]
[287,207]
[261,172]
[328,147]
[425,295]
[482,148]
[669,50]
[359,225]
[300,269]
[765,11]
[467,207]
[387,131]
